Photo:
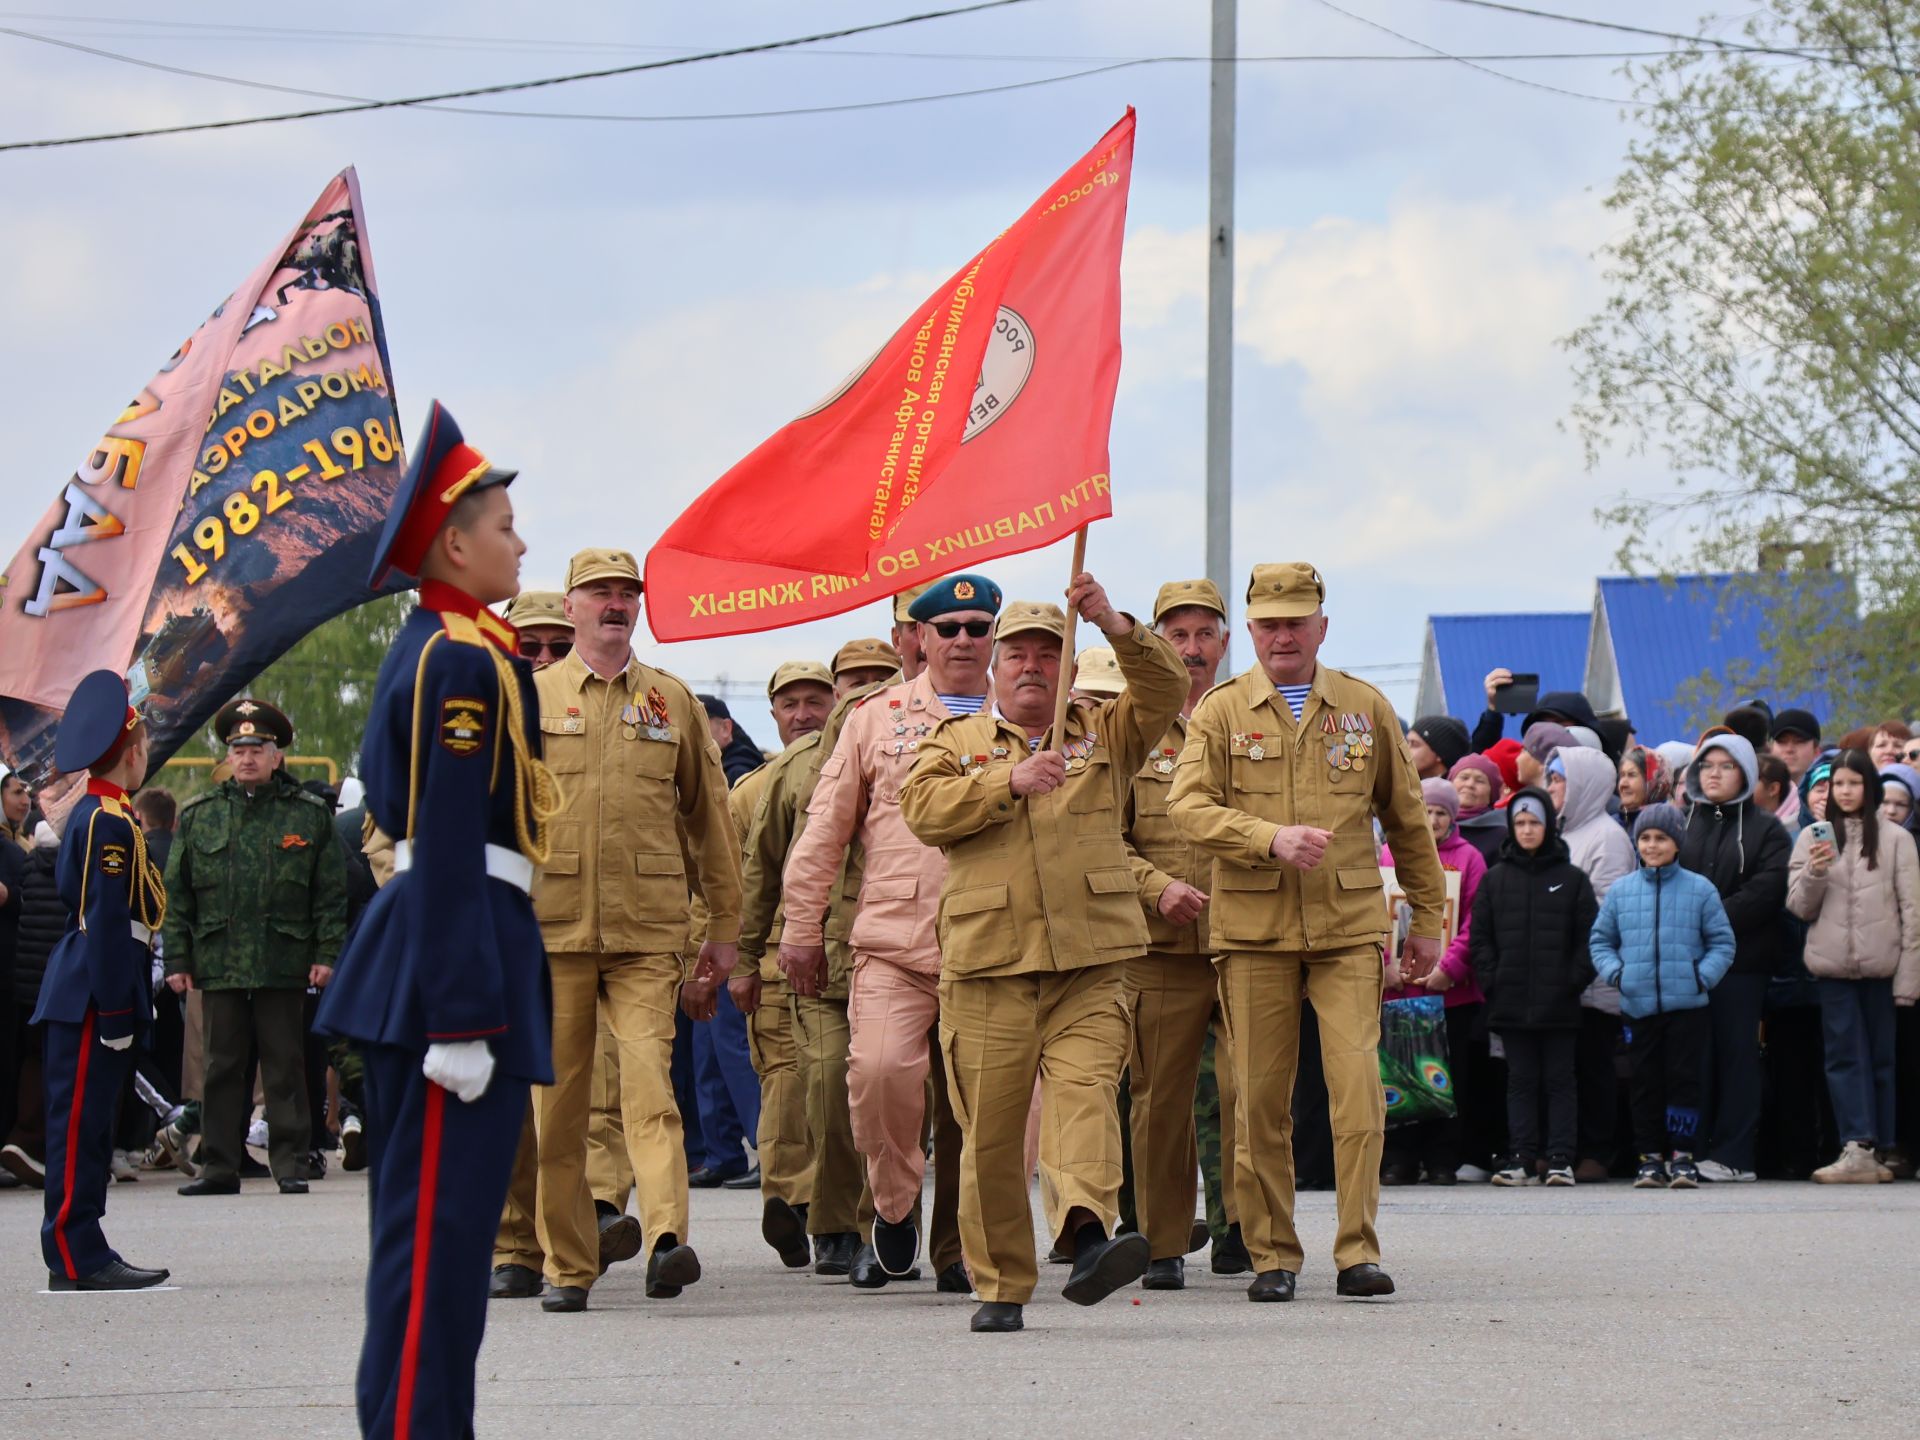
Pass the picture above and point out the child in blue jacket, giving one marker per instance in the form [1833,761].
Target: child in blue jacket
[1664,939]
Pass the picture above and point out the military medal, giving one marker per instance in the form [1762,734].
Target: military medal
[1077,751]
[630,722]
[1165,763]
[1256,751]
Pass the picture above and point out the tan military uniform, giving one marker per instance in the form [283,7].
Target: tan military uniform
[638,771]
[1038,914]
[1248,769]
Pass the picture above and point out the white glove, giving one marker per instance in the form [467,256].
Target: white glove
[121,1044]
[465,1067]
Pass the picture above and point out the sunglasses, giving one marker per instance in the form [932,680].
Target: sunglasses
[1912,754]
[532,649]
[947,629]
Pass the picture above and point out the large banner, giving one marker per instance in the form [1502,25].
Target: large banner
[978,430]
[230,509]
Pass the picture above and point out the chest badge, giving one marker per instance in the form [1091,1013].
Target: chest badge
[1163,763]
[1077,751]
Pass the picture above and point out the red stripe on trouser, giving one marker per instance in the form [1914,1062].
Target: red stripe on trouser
[73,1145]
[422,1254]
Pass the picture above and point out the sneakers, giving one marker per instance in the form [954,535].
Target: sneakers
[1560,1175]
[316,1164]
[175,1138]
[257,1133]
[1653,1174]
[123,1167]
[1856,1166]
[353,1144]
[1683,1174]
[1515,1173]
[1472,1175]
[1714,1173]
[25,1168]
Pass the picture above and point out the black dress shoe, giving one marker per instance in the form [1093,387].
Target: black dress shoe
[1271,1285]
[953,1280]
[1102,1267]
[513,1282]
[564,1299]
[252,1169]
[708,1178]
[1197,1237]
[1230,1253]
[291,1185]
[748,1181]
[1057,1256]
[1400,1172]
[833,1254]
[867,1273]
[784,1228]
[996,1317]
[206,1185]
[1166,1275]
[895,1244]
[671,1268]
[1364,1282]
[620,1238]
[1441,1176]
[114,1275]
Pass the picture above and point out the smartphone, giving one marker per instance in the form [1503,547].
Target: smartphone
[1517,697]
[1822,832]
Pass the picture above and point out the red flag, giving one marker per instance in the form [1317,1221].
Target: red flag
[904,473]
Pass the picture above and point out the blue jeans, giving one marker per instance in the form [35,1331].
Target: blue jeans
[729,1090]
[1856,1022]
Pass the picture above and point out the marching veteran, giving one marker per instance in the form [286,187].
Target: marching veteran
[1284,771]
[1038,916]
[259,913]
[443,984]
[642,793]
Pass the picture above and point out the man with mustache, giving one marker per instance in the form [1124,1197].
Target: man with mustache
[1284,770]
[894,990]
[1039,914]
[642,793]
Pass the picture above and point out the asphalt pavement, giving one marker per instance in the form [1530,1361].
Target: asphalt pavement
[1768,1309]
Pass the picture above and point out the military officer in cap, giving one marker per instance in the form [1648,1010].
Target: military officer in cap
[94,997]
[1038,914]
[444,986]
[259,913]
[643,794]
[1284,771]
[860,663]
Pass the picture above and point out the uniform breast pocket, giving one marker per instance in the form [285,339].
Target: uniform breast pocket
[1151,792]
[563,744]
[1258,778]
[1090,790]
[290,899]
[654,759]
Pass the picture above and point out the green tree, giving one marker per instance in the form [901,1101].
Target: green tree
[1762,329]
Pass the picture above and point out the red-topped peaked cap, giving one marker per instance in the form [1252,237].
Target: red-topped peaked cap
[443,469]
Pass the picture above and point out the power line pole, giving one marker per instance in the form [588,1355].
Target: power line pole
[1220,299]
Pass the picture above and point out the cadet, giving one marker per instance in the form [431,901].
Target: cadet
[259,913]
[639,775]
[94,998]
[444,985]
[1038,912]
[1172,990]
[894,1004]
[1284,770]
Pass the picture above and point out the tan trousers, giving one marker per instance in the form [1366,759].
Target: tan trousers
[841,1204]
[949,1146]
[638,994]
[997,1034]
[1229,1106]
[609,1173]
[1261,994]
[890,1013]
[1172,999]
[517,1241]
[785,1150]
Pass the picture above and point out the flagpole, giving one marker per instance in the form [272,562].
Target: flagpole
[1065,697]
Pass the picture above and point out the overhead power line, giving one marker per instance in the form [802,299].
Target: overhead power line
[1821,55]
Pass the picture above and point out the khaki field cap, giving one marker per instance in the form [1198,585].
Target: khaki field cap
[905,599]
[865,655]
[1284,592]
[796,671]
[1177,594]
[1099,672]
[590,565]
[538,607]
[1021,616]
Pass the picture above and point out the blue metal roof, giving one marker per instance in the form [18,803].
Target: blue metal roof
[1689,648]
[1466,647]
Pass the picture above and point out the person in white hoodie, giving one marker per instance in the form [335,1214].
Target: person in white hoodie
[1581,782]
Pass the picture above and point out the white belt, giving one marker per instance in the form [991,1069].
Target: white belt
[142,933]
[502,864]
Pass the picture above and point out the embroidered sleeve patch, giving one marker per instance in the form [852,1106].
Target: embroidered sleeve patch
[113,860]
[463,724]
[293,842]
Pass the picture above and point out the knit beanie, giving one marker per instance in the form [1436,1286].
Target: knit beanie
[1665,818]
[1483,765]
[1527,805]
[1445,736]
[1545,738]
[1505,755]
[1441,792]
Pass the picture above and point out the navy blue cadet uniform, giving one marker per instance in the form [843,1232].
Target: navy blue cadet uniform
[447,952]
[96,987]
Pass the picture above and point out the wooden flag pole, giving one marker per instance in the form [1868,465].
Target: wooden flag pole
[1065,697]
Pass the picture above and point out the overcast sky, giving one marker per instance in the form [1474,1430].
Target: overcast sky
[624,309]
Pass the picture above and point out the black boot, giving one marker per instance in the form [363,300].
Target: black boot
[671,1268]
[564,1299]
[867,1272]
[784,1227]
[996,1317]
[1230,1253]
[513,1282]
[833,1254]
[620,1235]
[1101,1266]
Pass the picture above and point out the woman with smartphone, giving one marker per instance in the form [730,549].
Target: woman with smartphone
[1855,880]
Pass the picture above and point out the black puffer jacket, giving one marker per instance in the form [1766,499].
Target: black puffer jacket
[1531,920]
[43,920]
[1744,851]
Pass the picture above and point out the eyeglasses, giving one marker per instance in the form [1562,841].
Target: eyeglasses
[1719,767]
[947,629]
[532,649]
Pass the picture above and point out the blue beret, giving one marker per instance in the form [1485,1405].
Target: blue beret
[957,592]
[95,719]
